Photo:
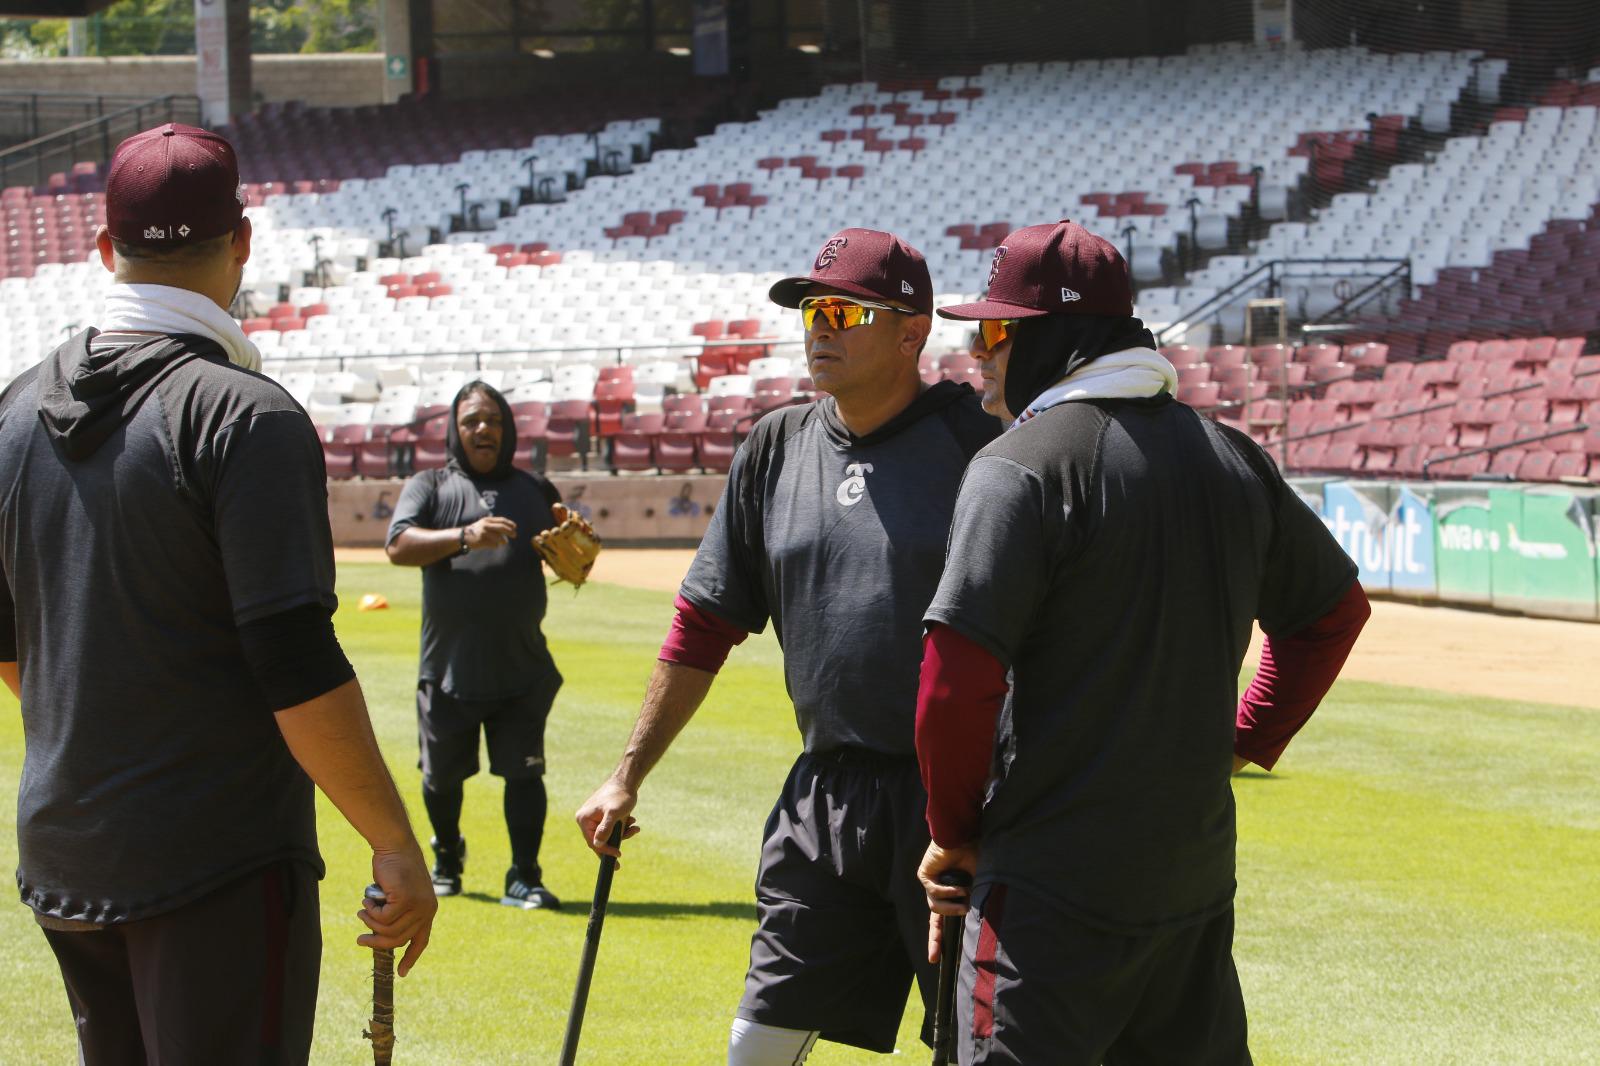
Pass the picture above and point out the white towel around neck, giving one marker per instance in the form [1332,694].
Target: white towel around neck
[167,309]
[1131,374]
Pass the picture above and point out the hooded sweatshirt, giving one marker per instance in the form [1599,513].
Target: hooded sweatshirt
[154,499]
[481,611]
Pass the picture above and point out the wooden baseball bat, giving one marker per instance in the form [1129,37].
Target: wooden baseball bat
[380,1030]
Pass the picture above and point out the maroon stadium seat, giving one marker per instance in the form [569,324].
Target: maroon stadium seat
[1569,464]
[676,451]
[1536,466]
[338,454]
[374,456]
[568,430]
[1506,461]
[634,447]
[772,393]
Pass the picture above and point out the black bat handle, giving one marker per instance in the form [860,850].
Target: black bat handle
[591,949]
[951,928]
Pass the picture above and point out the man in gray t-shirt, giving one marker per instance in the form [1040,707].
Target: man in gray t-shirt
[832,526]
[484,665]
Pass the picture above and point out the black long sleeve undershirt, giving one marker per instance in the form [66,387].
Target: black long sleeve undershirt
[295,655]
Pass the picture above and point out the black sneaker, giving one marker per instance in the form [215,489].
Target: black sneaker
[448,862]
[534,897]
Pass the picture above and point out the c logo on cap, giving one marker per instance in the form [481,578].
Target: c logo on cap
[994,268]
[830,252]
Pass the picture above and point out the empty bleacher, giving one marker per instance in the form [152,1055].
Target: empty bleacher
[602,280]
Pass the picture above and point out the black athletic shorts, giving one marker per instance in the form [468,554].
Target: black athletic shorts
[228,978]
[447,732]
[1037,986]
[842,922]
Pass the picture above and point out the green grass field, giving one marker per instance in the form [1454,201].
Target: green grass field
[1419,883]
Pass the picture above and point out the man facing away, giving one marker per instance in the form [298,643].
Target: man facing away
[832,524]
[1108,557]
[166,623]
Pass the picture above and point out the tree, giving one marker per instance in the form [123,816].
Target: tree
[166,27]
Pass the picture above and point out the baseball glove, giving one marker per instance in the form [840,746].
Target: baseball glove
[569,547]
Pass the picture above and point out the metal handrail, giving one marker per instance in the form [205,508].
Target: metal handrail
[1220,300]
[95,133]
[1401,272]
[1576,427]
[689,350]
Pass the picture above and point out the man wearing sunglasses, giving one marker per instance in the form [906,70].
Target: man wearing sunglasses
[832,526]
[1108,556]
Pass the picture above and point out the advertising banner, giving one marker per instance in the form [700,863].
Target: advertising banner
[1409,539]
[1388,529]
[1549,551]
[1464,543]
[1357,513]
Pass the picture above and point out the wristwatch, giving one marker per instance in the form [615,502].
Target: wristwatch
[465,548]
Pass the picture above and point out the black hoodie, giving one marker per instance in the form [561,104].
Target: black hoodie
[459,460]
[481,611]
[1050,347]
[153,499]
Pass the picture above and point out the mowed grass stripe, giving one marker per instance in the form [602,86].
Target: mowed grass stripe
[1417,884]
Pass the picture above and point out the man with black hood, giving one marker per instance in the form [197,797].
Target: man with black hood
[1108,556]
[166,621]
[470,526]
[832,525]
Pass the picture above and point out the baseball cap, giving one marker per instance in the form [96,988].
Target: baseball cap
[868,263]
[173,186]
[1059,269]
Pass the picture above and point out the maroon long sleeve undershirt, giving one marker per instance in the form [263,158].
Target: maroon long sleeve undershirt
[964,687]
[1296,672]
[698,638]
[958,702]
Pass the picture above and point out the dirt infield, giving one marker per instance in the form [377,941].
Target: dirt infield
[1469,652]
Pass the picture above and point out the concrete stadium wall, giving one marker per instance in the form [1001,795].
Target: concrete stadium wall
[1526,548]
[334,80]
[626,511]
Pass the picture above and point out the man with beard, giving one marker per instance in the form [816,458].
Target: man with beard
[1108,556]
[832,525]
[484,663]
[166,620]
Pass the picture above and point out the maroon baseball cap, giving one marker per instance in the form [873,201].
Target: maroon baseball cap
[1059,269]
[173,186]
[868,263]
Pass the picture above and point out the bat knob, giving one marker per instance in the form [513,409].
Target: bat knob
[376,895]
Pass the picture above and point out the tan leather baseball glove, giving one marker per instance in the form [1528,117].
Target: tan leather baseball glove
[570,547]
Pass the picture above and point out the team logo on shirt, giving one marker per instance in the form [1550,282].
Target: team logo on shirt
[830,252]
[488,496]
[852,488]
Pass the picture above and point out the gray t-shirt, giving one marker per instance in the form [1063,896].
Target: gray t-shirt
[839,540]
[153,498]
[1114,554]
[481,611]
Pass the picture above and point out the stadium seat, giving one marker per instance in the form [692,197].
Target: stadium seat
[633,447]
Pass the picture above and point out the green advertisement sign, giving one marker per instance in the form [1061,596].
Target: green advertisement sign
[1465,542]
[1548,553]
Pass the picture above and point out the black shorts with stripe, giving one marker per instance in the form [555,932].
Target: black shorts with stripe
[1039,986]
[842,922]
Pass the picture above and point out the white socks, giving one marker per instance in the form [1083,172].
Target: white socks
[754,1044]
